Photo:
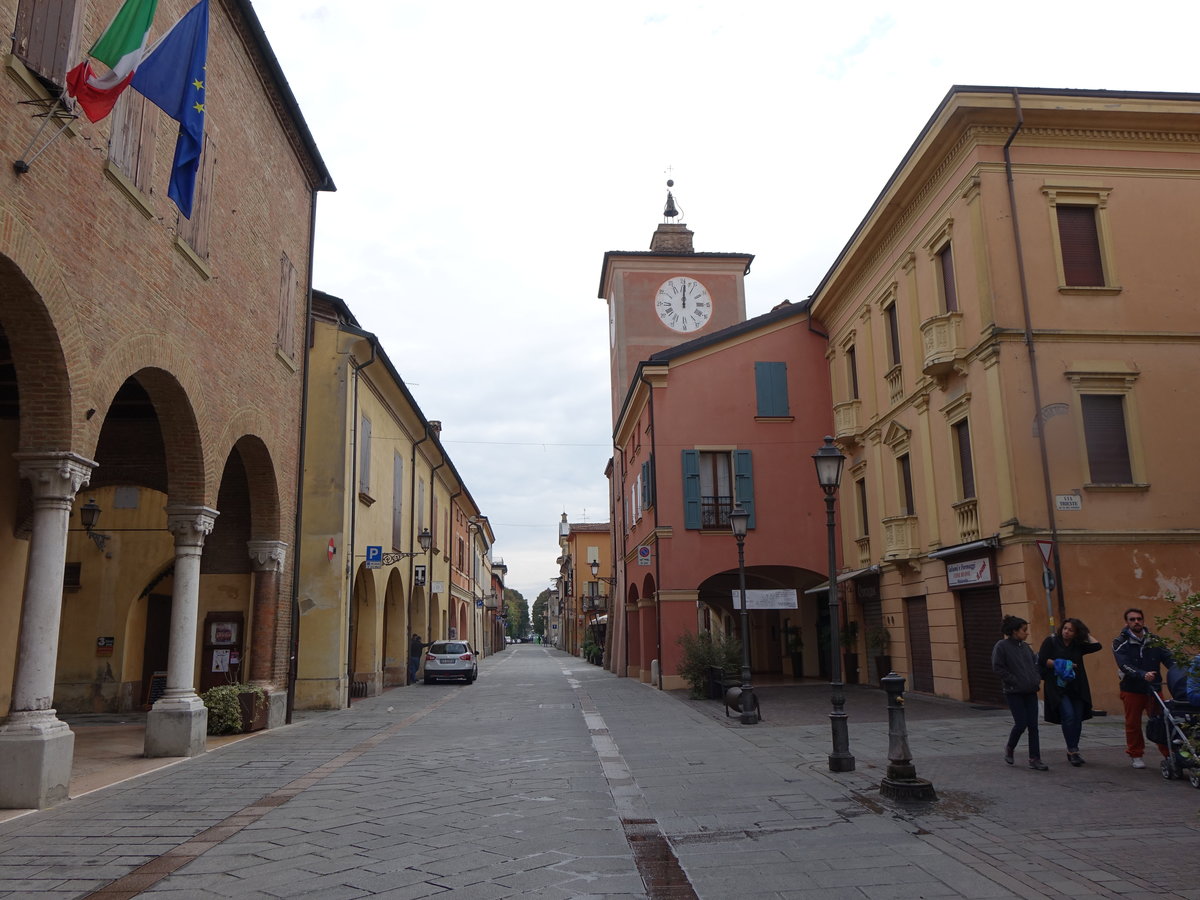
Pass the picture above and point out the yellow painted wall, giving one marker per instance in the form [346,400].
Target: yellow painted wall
[13,553]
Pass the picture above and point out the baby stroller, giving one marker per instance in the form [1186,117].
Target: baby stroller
[1172,727]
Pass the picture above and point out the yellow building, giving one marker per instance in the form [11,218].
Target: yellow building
[391,518]
[1012,330]
[583,594]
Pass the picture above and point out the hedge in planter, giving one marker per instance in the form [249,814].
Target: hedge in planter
[226,712]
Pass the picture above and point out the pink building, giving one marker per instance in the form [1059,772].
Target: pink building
[732,415]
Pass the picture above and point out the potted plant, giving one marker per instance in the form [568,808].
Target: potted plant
[235,708]
[878,639]
[849,636]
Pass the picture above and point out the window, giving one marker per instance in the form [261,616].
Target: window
[364,456]
[770,380]
[433,525]
[1079,243]
[647,479]
[462,555]
[945,269]
[635,498]
[195,229]
[397,501]
[285,335]
[420,506]
[904,471]
[966,468]
[131,143]
[1082,241]
[1106,438]
[46,36]
[893,334]
[713,482]
[852,369]
[860,495]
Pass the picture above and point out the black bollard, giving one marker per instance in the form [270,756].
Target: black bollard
[901,781]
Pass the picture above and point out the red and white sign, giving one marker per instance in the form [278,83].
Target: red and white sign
[969,572]
[332,550]
[1045,548]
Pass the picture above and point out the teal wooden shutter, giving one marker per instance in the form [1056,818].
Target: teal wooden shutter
[743,481]
[770,383]
[648,483]
[691,488]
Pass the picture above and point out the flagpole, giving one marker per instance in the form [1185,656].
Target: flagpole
[21,166]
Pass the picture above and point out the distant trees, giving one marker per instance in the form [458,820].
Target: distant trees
[539,612]
[517,609]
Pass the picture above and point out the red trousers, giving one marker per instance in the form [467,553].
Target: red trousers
[1135,706]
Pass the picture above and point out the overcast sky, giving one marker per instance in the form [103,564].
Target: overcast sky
[487,154]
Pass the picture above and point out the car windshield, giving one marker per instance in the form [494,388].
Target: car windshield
[443,647]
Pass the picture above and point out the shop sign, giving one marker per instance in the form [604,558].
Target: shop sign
[969,572]
[757,599]
[104,646]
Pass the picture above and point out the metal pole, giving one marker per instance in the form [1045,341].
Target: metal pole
[840,759]
[749,707]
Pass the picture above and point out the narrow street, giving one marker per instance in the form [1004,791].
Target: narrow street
[550,777]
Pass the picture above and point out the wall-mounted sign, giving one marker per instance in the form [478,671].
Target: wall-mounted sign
[777,599]
[643,556]
[419,575]
[104,646]
[969,572]
[1067,502]
[439,587]
[375,556]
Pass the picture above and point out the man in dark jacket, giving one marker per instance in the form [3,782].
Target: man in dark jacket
[415,647]
[1139,663]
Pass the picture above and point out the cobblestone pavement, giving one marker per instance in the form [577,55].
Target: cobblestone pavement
[552,778]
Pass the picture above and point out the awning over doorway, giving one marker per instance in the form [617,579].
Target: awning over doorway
[823,587]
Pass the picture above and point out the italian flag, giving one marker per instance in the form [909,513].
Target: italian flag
[122,48]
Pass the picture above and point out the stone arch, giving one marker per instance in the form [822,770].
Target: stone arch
[648,587]
[395,630]
[364,633]
[262,478]
[417,622]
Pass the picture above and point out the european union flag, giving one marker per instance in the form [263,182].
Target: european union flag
[172,78]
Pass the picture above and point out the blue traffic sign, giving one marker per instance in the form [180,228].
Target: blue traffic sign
[374,554]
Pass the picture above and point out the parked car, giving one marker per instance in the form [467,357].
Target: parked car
[451,659]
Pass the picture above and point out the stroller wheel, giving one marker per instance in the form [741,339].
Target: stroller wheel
[1167,771]
[1194,778]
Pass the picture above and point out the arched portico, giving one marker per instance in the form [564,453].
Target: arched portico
[395,631]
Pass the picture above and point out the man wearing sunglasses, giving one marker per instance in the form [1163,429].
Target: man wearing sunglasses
[1139,663]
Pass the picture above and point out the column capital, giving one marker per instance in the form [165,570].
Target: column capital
[267,556]
[56,475]
[190,524]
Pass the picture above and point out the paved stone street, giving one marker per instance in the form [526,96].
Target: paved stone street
[552,778]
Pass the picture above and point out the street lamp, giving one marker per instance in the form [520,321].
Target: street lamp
[738,520]
[595,567]
[829,461]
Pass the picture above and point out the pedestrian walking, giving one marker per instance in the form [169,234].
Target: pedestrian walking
[1067,693]
[1139,658]
[415,648]
[1015,663]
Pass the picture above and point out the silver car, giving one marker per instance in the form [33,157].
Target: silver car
[451,659]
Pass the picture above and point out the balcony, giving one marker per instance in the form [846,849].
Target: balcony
[967,512]
[900,538]
[864,551]
[847,421]
[714,511]
[895,383]
[943,341]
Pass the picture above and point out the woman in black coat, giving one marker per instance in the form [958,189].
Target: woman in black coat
[1068,696]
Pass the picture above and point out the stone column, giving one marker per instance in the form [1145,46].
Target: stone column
[268,558]
[37,747]
[178,722]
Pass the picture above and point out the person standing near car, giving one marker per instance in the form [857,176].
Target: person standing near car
[1068,695]
[1138,659]
[415,647]
[1015,664]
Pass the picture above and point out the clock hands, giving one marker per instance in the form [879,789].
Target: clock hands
[685,296]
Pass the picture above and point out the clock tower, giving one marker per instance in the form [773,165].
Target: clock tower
[665,296]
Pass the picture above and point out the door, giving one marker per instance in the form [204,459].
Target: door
[920,653]
[156,647]
[981,629]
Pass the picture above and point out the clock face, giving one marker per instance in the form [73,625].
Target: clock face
[683,304]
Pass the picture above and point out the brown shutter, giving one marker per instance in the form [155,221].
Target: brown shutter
[45,36]
[893,334]
[981,615]
[949,292]
[906,484]
[1107,442]
[196,229]
[1080,245]
[962,433]
[920,651]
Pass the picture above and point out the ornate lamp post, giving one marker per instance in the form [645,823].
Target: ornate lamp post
[738,520]
[829,461]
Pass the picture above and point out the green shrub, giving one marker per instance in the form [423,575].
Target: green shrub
[702,651]
[225,709]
